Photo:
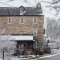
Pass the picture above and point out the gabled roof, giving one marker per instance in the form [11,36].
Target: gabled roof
[16,11]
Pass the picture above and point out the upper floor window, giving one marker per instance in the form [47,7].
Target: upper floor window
[22,10]
[9,20]
[35,20]
[22,20]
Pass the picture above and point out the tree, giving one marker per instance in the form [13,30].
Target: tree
[5,41]
[51,29]
[56,5]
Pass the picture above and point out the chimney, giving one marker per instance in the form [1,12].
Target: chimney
[38,5]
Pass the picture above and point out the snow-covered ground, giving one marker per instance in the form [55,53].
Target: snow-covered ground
[10,57]
[8,47]
[1,59]
[55,51]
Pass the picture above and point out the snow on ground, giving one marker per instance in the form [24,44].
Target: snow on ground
[55,51]
[8,47]
[1,59]
[55,48]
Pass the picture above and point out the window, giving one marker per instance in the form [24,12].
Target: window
[35,20]
[40,43]
[35,32]
[9,20]
[43,31]
[22,20]
[22,10]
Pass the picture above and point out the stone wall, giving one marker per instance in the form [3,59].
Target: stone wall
[27,28]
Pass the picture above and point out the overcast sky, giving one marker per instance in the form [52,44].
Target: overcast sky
[17,3]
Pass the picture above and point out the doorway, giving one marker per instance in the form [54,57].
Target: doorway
[24,47]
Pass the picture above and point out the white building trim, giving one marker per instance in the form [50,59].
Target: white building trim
[23,37]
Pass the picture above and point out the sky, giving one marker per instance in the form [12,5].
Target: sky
[31,3]
[17,3]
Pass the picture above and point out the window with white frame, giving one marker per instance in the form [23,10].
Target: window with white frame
[35,20]
[9,20]
[35,32]
[22,10]
[22,20]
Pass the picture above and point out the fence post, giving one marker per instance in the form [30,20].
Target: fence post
[3,54]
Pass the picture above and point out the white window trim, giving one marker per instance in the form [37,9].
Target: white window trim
[36,20]
[21,11]
[8,20]
[35,32]
[23,20]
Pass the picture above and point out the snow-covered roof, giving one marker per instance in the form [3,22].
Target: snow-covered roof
[16,11]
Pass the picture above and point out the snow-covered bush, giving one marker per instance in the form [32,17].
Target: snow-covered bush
[7,44]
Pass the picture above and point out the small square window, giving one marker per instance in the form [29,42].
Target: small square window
[35,20]
[9,20]
[22,20]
